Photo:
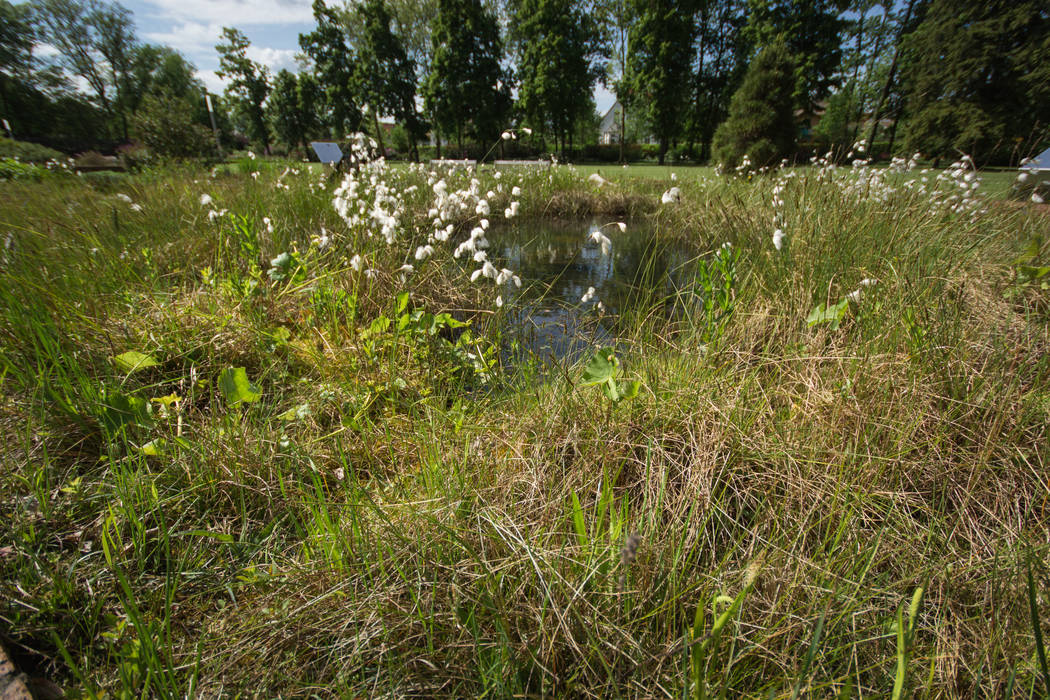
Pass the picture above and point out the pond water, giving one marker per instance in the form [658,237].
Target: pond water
[558,262]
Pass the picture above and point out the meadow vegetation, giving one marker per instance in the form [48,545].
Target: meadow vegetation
[259,438]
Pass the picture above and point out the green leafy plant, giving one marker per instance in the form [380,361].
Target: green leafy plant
[832,315]
[713,290]
[133,361]
[1027,270]
[235,388]
[603,371]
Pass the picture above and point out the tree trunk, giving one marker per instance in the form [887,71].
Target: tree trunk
[379,133]
[888,85]
[623,130]
[663,149]
[437,143]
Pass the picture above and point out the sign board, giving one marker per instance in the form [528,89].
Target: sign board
[327,151]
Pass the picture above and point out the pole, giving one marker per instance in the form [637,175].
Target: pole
[214,129]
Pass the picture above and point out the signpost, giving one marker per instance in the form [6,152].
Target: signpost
[214,129]
[327,151]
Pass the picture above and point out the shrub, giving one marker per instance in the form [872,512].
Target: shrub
[761,123]
[11,169]
[28,152]
[166,126]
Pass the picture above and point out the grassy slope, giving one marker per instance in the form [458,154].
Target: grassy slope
[411,538]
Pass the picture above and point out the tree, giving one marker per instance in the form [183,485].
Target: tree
[383,74]
[293,108]
[617,16]
[326,46]
[761,123]
[68,25]
[812,31]
[561,57]
[16,51]
[977,78]
[660,62]
[721,57]
[167,126]
[466,90]
[115,41]
[249,83]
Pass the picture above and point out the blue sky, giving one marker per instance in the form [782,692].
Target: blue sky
[273,27]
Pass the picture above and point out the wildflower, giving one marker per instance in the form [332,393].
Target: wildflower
[123,197]
[323,240]
[854,296]
[673,177]
[516,191]
[213,215]
[370,273]
[587,296]
[622,226]
[597,179]
[482,208]
[136,207]
[778,239]
[600,238]
[356,263]
[255,174]
[504,276]
[206,200]
[527,131]
[424,251]
[671,195]
[601,307]
[251,155]
[499,301]
[1036,198]
[269,224]
[506,136]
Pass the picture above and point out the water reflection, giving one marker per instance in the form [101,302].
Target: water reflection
[558,261]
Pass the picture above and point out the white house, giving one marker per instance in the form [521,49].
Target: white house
[609,128]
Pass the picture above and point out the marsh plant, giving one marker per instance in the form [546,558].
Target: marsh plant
[260,439]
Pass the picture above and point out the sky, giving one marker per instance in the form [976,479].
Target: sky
[273,26]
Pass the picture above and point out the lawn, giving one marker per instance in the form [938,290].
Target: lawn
[248,451]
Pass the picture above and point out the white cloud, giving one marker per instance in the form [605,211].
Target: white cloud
[214,83]
[189,37]
[234,12]
[274,59]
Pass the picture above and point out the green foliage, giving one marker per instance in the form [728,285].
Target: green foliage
[234,386]
[761,123]
[334,68]
[166,126]
[466,90]
[603,371]
[831,314]
[561,58]
[383,76]
[812,31]
[660,63]
[249,82]
[28,152]
[977,80]
[293,108]
[714,293]
[11,169]
[133,361]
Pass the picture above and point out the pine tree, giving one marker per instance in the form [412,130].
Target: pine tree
[761,122]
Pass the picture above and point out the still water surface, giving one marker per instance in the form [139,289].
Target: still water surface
[557,262]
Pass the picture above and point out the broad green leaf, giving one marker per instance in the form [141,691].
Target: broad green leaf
[120,410]
[154,448]
[832,315]
[601,368]
[629,389]
[235,387]
[132,361]
[610,390]
[401,303]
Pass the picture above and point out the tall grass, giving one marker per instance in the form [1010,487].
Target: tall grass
[784,510]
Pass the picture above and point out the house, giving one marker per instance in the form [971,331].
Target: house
[1039,164]
[609,128]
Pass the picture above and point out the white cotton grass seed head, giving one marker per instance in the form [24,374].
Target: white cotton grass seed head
[778,239]
[622,226]
[206,200]
[1037,198]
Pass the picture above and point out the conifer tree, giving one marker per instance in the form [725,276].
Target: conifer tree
[761,123]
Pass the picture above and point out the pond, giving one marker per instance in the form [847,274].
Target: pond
[552,316]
